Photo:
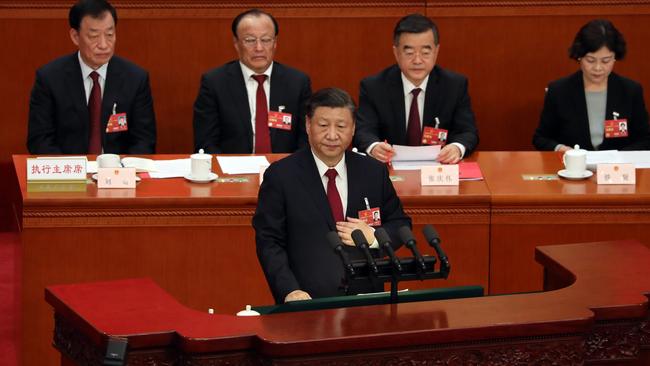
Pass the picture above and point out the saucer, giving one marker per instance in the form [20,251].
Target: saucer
[94,177]
[209,179]
[584,175]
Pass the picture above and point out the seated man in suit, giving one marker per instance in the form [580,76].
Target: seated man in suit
[304,196]
[238,100]
[91,101]
[415,101]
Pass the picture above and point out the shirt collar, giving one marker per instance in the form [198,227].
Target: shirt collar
[323,168]
[86,70]
[248,72]
[408,85]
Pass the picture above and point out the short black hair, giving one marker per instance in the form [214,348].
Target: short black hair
[93,8]
[415,23]
[330,97]
[596,34]
[255,13]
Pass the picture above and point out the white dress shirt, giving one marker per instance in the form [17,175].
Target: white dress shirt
[251,90]
[88,81]
[341,179]
[341,185]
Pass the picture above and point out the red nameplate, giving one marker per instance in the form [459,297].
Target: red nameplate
[371,217]
[615,128]
[434,136]
[280,120]
[117,123]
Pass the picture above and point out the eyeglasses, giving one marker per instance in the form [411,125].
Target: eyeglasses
[252,42]
[424,53]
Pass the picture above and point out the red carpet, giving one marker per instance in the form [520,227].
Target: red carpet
[9,297]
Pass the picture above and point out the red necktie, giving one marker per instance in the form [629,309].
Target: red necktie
[95,112]
[333,195]
[262,138]
[414,130]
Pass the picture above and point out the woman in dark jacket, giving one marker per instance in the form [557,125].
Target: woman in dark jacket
[594,107]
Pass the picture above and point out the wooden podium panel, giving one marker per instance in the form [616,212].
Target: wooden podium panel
[196,241]
[595,313]
[526,214]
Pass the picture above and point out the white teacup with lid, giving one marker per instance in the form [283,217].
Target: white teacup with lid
[201,165]
[575,161]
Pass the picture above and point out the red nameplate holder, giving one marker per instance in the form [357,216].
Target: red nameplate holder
[615,128]
[370,216]
[434,135]
[280,120]
[117,121]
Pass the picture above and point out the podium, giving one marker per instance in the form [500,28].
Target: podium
[594,308]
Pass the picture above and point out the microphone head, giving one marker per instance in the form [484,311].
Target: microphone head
[430,233]
[382,236]
[406,235]
[358,238]
[334,240]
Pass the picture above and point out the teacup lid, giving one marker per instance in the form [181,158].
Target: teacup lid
[201,155]
[577,151]
[248,312]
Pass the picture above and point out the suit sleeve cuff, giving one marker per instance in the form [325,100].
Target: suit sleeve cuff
[460,147]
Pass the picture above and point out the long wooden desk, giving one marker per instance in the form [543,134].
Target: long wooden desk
[193,239]
[597,311]
[526,214]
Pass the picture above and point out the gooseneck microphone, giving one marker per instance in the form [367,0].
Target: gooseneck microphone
[407,238]
[384,242]
[433,239]
[337,245]
[361,243]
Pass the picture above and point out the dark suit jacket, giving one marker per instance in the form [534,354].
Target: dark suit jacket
[222,117]
[382,114]
[564,119]
[58,109]
[293,217]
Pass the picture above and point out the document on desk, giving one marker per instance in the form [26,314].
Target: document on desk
[171,168]
[414,157]
[242,164]
[640,159]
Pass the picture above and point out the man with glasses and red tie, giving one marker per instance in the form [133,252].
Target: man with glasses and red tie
[415,102]
[91,101]
[254,104]
[320,189]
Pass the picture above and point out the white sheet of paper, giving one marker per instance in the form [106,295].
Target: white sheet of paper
[416,153]
[91,167]
[640,159]
[242,164]
[412,165]
[171,168]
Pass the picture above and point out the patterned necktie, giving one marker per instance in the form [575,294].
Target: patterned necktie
[414,130]
[333,196]
[262,138]
[95,112]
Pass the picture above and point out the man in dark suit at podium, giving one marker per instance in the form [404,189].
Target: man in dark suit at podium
[304,196]
[415,101]
[91,101]
[237,101]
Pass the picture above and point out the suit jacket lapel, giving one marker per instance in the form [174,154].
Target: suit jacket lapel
[237,85]
[77,92]
[313,183]
[396,91]
[614,98]
[355,179]
[277,90]
[112,86]
[432,101]
[580,103]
